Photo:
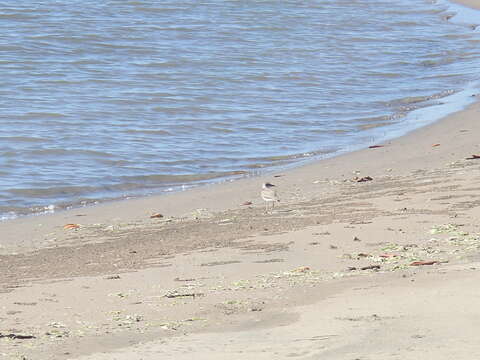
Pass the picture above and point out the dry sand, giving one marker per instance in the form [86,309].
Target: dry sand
[329,274]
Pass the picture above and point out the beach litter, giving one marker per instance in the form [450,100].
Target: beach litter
[451,229]
[25,303]
[473,157]
[175,294]
[321,233]
[179,279]
[375,146]
[17,336]
[362,179]
[301,269]
[71,226]
[373,317]
[387,256]
[371,267]
[422,263]
[57,333]
[113,277]
[156,216]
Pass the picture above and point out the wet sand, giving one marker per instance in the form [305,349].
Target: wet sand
[474,4]
[385,268]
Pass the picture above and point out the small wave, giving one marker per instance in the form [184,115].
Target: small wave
[221,130]
[10,215]
[42,115]
[179,179]
[151,10]
[147,132]
[364,127]
[115,163]
[270,161]
[418,11]
[411,100]
[375,119]
[19,17]
[254,129]
[10,47]
[26,139]
[55,153]
[441,76]
[124,101]
[383,74]
[154,65]
[59,82]
[404,23]
[176,110]
[432,63]
[289,157]
[51,39]
[113,46]
[89,62]
[329,131]
[55,192]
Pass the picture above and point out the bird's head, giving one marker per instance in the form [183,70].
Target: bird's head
[267,185]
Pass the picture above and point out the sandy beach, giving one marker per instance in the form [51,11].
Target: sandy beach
[369,255]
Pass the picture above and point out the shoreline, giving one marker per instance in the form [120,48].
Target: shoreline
[341,269]
[399,156]
[454,107]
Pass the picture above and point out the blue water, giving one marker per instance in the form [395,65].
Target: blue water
[123,98]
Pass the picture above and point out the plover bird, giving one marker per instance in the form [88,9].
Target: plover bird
[269,195]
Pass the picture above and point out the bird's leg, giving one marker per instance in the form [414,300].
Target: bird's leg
[268,208]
